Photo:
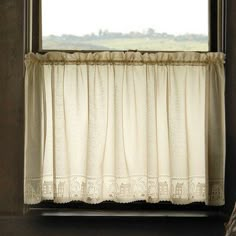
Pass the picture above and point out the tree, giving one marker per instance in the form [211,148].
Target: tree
[150,32]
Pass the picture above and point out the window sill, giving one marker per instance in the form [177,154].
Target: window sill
[125,213]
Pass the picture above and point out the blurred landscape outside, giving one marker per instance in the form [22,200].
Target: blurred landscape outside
[132,41]
[150,25]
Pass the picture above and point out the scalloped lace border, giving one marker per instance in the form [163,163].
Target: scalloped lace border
[127,189]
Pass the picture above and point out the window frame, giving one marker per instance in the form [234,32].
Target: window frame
[217,43]
[216,39]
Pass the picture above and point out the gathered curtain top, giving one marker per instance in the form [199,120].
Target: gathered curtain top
[126,58]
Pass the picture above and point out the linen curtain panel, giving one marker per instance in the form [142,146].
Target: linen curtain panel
[124,126]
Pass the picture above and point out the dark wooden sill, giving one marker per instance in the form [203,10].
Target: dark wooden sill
[124,213]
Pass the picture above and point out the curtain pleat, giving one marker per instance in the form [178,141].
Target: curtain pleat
[124,127]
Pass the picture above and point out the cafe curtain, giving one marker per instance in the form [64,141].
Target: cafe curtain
[124,126]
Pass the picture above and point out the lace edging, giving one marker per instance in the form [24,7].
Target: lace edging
[124,190]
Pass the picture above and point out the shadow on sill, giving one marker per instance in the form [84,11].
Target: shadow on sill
[125,213]
[137,209]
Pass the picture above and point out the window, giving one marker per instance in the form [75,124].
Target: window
[156,25]
[215,43]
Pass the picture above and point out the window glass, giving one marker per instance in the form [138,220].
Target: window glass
[163,25]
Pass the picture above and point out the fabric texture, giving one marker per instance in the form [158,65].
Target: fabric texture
[231,225]
[124,126]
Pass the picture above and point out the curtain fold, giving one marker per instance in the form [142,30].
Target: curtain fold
[124,126]
[231,224]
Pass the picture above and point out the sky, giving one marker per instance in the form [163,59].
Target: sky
[80,17]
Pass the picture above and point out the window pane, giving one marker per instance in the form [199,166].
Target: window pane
[166,25]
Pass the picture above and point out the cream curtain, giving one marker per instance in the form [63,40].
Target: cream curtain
[124,126]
